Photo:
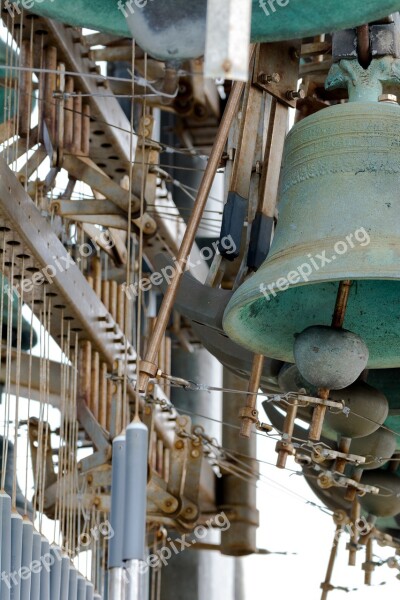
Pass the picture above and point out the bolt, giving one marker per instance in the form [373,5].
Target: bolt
[189,510]
[293,95]
[195,454]
[96,502]
[179,445]
[168,503]
[266,79]
[227,65]
[388,98]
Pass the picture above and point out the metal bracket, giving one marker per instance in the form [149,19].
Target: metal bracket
[277,70]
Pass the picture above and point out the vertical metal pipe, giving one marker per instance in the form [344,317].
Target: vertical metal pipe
[77,123]
[135,491]
[5,505]
[89,591]
[116,543]
[81,588]
[35,575]
[68,114]
[136,466]
[16,555]
[26,559]
[55,573]
[65,566]
[133,589]
[73,583]
[50,86]
[85,129]
[25,89]
[116,584]
[45,571]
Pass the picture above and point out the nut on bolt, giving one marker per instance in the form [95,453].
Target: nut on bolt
[296,95]
[388,98]
[266,79]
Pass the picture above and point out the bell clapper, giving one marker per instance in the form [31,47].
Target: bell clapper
[323,393]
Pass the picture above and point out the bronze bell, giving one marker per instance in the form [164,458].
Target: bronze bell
[339,218]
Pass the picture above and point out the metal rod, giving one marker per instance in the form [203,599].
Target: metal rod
[343,446]
[323,393]
[251,400]
[363,46]
[326,585]
[341,304]
[355,515]
[150,369]
[50,85]
[284,446]
[25,89]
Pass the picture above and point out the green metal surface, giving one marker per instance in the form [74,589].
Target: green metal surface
[278,20]
[341,176]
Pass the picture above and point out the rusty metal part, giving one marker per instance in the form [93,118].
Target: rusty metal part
[318,416]
[344,448]
[50,85]
[249,414]
[85,170]
[354,537]
[369,566]
[363,46]
[341,304]
[25,89]
[284,447]
[277,69]
[326,586]
[337,322]
[190,233]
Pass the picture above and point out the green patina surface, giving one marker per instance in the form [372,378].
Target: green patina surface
[290,19]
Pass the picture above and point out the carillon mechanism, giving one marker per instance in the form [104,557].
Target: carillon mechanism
[177,256]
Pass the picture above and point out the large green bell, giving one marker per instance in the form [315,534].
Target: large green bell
[339,218]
